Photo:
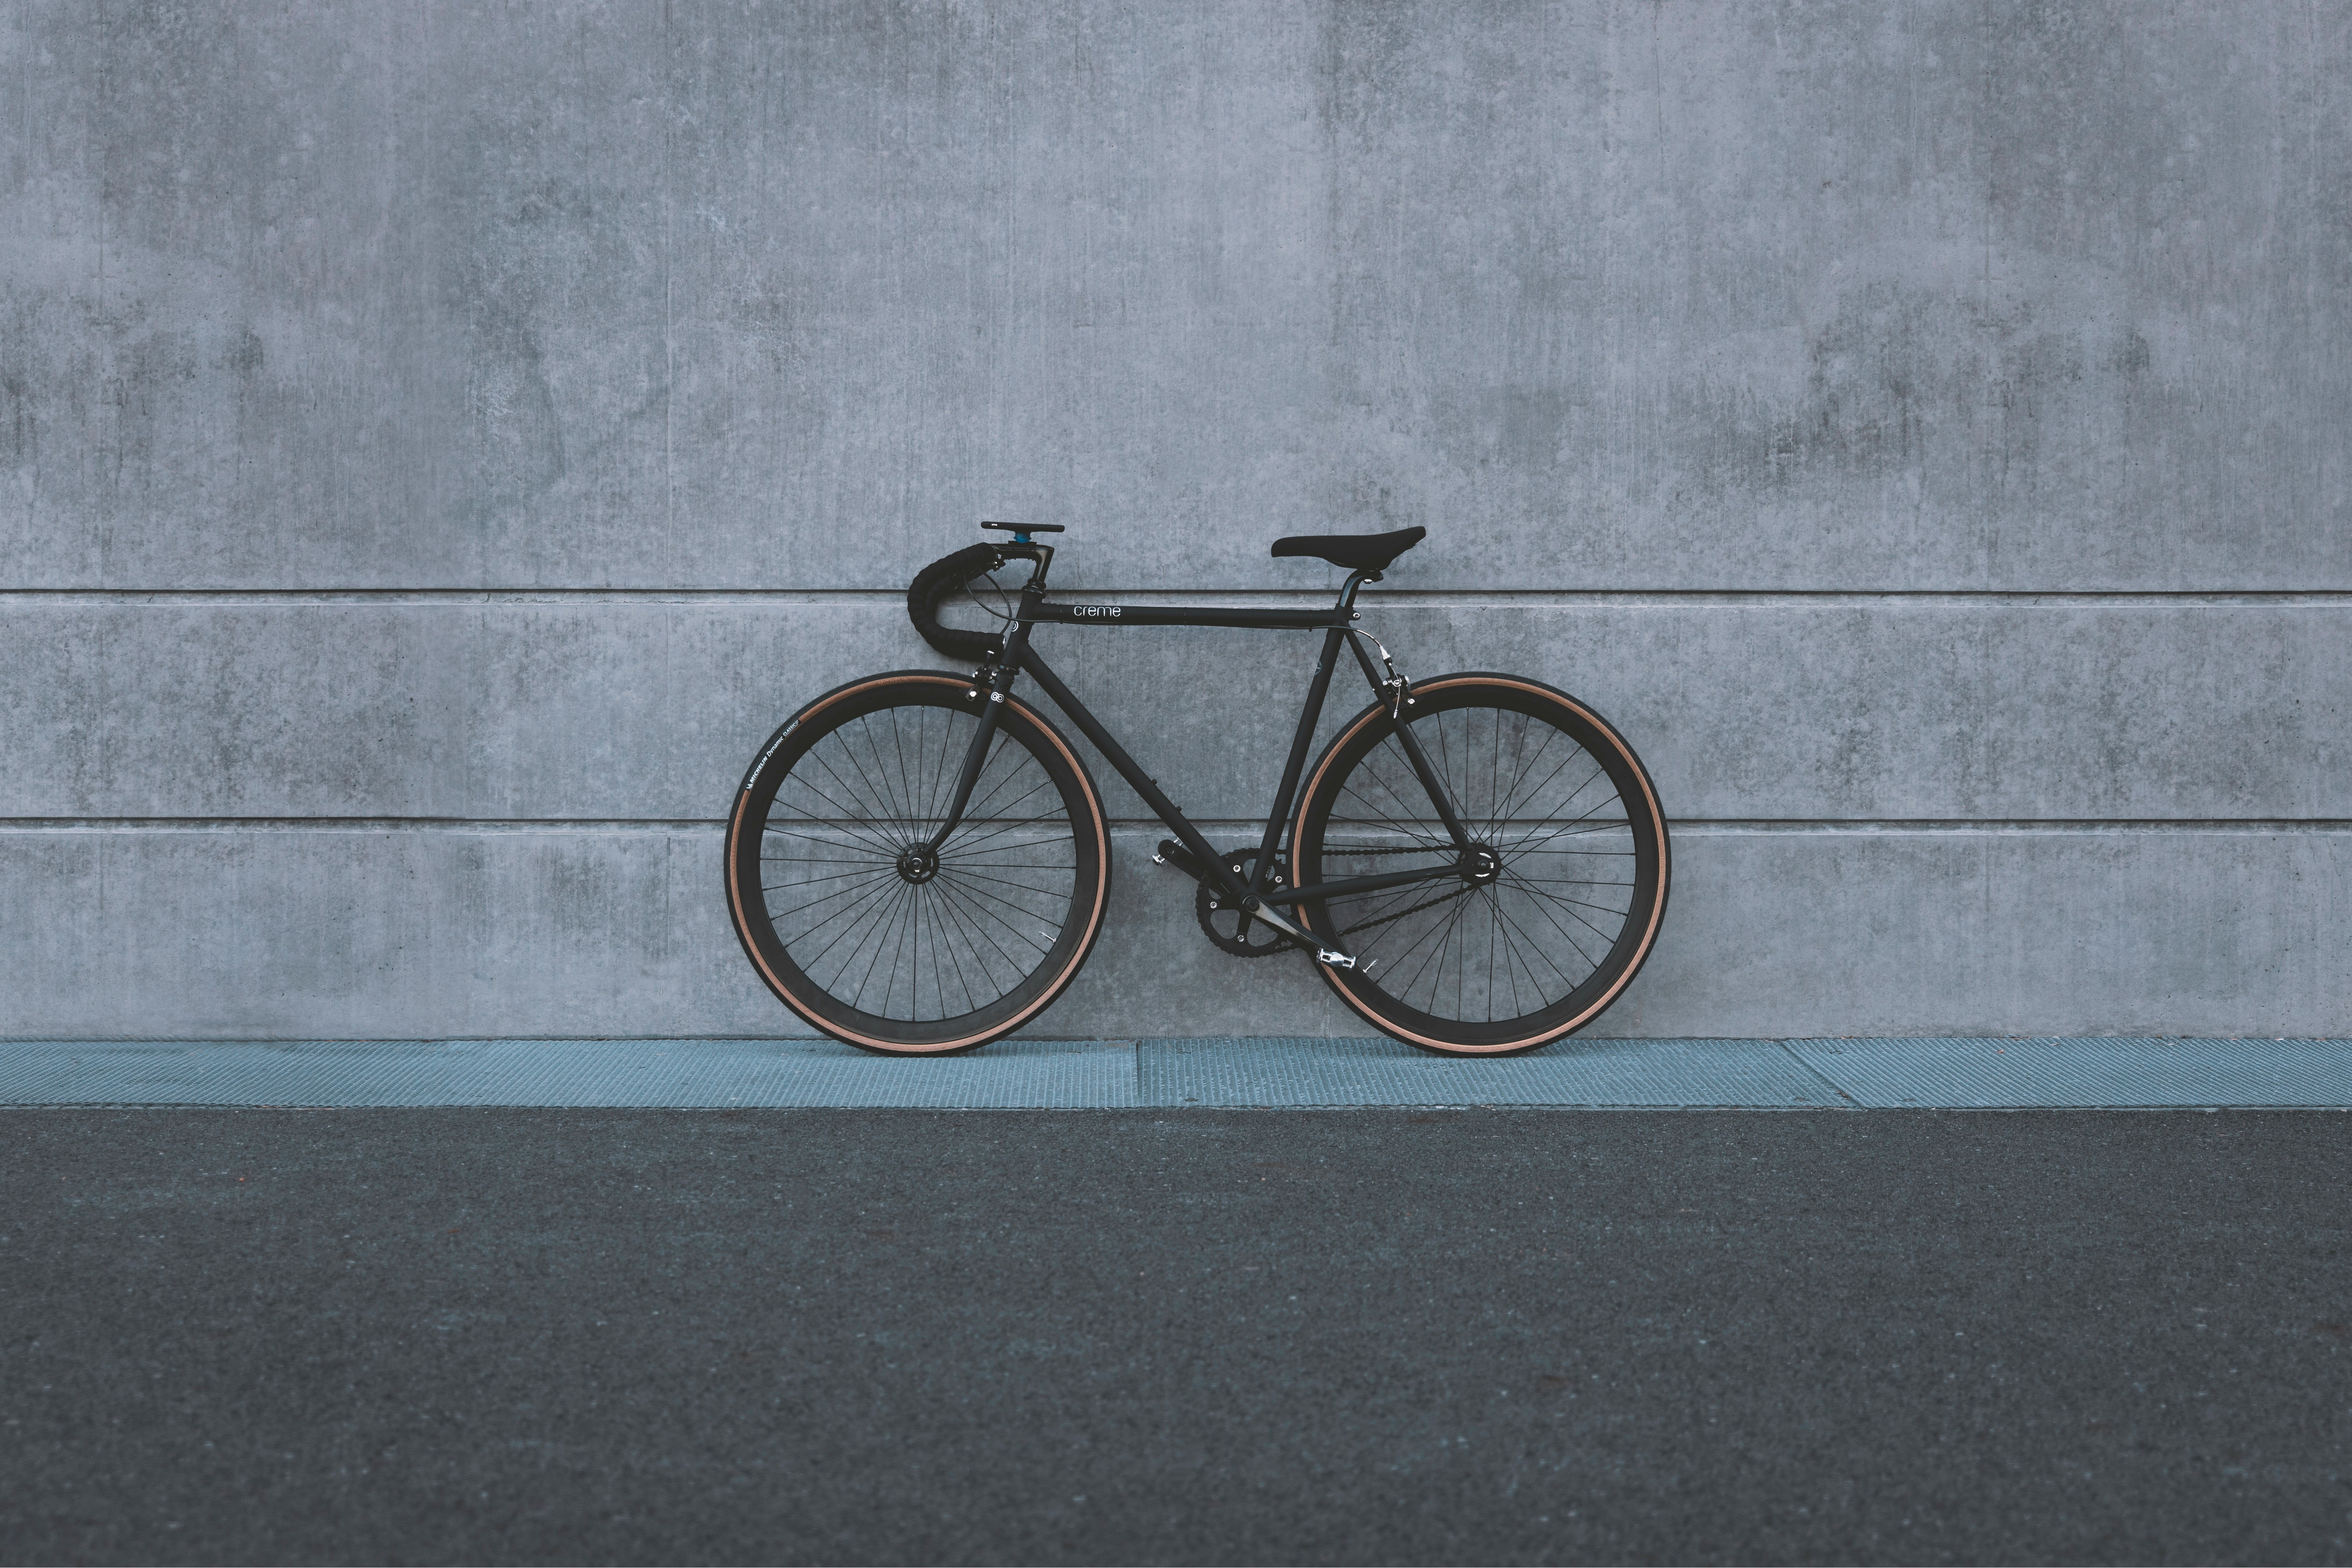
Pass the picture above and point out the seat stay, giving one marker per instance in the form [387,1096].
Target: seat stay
[1439,795]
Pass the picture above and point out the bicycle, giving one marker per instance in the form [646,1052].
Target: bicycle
[919,862]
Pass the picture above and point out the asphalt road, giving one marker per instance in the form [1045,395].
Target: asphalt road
[1145,1336]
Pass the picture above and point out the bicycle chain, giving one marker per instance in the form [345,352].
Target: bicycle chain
[1239,944]
[1410,909]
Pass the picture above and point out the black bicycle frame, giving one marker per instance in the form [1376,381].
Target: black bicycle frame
[1337,624]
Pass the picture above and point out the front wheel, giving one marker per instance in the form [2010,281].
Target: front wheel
[858,925]
[1537,930]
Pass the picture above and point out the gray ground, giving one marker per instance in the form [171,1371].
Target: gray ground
[1489,1336]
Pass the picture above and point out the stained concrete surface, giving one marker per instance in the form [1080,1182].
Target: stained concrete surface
[365,371]
[2020,296]
[1229,1336]
[391,932]
[1768,707]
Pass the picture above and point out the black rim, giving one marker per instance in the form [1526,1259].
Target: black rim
[1556,901]
[871,931]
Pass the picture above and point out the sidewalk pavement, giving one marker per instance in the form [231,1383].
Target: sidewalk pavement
[1070,1075]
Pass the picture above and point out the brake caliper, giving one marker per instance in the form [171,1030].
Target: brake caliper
[1396,689]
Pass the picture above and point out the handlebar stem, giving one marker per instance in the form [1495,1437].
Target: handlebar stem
[1021,550]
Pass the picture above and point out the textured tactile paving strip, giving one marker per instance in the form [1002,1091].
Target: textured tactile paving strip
[1265,1071]
[1113,1074]
[1022,1075]
[1992,1073]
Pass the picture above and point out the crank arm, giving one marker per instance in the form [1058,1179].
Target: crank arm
[1330,955]
[1172,853]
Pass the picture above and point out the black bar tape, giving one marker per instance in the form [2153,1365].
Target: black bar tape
[933,583]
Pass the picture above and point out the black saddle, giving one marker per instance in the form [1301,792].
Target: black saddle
[1356,551]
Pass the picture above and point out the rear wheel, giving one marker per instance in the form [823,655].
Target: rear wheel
[1544,924]
[850,918]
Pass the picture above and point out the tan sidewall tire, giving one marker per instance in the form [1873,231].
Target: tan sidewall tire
[1339,979]
[1094,822]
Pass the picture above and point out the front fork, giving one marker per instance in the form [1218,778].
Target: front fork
[991,682]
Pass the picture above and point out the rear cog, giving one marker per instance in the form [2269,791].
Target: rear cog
[1232,929]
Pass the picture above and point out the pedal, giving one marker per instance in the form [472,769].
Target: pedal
[1283,923]
[1172,853]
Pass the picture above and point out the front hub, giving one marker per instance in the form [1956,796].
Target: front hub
[920,864]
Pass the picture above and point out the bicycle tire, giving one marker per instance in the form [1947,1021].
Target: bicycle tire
[944,959]
[1562,850]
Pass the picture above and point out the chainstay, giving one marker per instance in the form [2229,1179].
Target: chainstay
[1412,909]
[1397,850]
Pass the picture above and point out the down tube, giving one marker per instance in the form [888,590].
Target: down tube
[1139,780]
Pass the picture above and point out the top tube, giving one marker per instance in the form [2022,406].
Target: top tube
[1035,609]
[1038,611]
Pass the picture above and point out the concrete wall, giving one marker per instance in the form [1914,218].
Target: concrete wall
[437,443]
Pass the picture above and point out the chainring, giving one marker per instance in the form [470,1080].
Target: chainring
[1232,930]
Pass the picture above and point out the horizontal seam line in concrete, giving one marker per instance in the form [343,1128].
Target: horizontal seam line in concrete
[1530,598]
[1697,825]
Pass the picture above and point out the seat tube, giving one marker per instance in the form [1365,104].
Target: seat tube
[1262,875]
[992,712]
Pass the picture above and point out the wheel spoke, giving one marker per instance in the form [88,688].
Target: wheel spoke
[1570,937]
[866,820]
[1493,960]
[970,913]
[1511,794]
[863,914]
[987,911]
[841,893]
[849,755]
[917,943]
[1537,947]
